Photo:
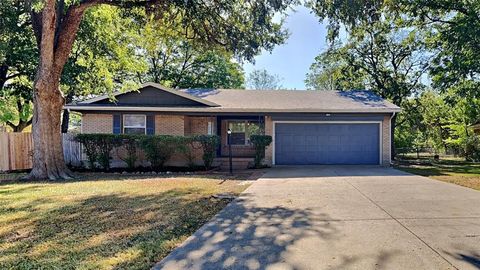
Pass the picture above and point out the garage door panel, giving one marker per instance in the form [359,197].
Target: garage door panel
[314,143]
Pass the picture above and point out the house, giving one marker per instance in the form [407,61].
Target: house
[308,127]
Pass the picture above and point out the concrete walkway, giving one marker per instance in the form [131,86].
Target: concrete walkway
[339,217]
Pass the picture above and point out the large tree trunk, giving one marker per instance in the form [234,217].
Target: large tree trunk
[55,31]
[48,160]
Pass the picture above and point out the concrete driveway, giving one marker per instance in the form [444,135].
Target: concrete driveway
[339,217]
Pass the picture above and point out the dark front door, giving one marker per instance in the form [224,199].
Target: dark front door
[316,143]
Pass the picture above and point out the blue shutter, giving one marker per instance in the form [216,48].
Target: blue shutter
[150,124]
[117,124]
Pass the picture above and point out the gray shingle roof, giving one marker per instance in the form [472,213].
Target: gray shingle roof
[262,101]
[295,100]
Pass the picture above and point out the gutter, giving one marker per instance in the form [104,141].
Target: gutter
[226,110]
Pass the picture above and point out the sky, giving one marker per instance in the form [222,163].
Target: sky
[292,60]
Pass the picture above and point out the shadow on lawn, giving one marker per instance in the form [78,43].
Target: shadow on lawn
[113,231]
[83,177]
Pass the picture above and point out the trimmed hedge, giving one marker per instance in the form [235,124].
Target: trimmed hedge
[130,143]
[158,149]
[98,148]
[209,145]
[472,148]
[260,142]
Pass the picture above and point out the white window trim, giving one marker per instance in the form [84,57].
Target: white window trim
[144,122]
[380,129]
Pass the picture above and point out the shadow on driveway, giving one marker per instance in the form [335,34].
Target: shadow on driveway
[243,237]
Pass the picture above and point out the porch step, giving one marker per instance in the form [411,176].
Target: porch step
[238,163]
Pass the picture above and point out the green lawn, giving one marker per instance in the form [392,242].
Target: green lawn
[452,171]
[104,222]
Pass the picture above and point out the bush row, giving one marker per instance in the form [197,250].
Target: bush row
[158,149]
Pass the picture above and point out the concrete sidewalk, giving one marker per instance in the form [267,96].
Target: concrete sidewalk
[339,217]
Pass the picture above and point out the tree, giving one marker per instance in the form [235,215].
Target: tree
[102,57]
[262,80]
[178,62]
[330,71]
[384,57]
[18,55]
[241,29]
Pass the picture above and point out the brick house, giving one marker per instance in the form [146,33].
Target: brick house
[308,127]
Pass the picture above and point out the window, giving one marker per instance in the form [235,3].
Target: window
[210,128]
[134,124]
[242,130]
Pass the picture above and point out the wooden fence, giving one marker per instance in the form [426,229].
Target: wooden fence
[16,151]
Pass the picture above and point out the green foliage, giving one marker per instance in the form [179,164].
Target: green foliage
[331,71]
[472,149]
[103,58]
[18,59]
[186,146]
[260,142]
[209,145]
[178,62]
[260,79]
[159,148]
[130,143]
[98,148]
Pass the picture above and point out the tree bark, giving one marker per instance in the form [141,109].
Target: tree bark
[48,160]
[55,36]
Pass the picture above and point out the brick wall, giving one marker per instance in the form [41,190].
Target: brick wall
[97,123]
[170,125]
[198,125]
[269,149]
[386,141]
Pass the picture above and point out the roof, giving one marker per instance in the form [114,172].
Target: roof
[154,85]
[265,101]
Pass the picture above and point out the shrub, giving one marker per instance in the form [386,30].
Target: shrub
[98,148]
[159,148]
[472,148]
[130,143]
[209,145]
[260,142]
[90,146]
[185,146]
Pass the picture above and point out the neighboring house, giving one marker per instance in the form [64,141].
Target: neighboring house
[308,127]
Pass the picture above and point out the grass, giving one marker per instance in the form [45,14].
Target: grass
[454,171]
[104,221]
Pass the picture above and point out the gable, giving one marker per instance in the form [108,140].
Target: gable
[150,96]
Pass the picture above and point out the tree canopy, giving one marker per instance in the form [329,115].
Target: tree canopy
[419,54]
[242,28]
[260,79]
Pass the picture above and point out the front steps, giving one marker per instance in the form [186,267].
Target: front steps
[238,163]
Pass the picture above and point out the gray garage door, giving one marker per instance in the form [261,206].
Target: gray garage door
[312,143]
